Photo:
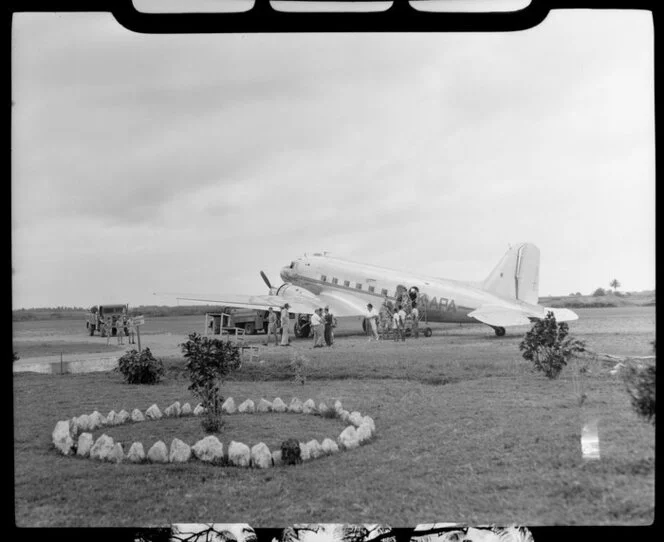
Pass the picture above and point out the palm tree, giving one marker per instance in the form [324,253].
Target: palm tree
[615,284]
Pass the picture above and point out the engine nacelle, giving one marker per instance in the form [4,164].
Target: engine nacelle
[288,290]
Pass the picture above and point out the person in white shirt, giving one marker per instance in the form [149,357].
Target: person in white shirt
[317,324]
[285,339]
[372,318]
[415,315]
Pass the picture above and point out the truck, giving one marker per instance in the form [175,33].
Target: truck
[99,314]
[251,320]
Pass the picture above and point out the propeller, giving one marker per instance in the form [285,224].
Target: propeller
[266,280]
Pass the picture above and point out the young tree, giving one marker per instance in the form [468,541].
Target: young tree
[548,346]
[208,362]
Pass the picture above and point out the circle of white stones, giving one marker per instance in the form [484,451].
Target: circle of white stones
[74,437]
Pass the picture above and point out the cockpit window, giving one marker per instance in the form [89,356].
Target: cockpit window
[292,265]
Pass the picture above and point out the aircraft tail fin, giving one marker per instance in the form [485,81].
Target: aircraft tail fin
[517,274]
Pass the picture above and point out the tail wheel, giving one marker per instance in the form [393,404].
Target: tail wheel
[500,331]
[427,332]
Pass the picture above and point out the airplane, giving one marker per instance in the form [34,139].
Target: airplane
[508,296]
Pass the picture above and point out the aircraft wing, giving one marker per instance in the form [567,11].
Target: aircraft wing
[518,315]
[300,301]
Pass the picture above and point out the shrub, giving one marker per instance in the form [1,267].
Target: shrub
[297,365]
[599,292]
[640,384]
[290,452]
[548,346]
[209,360]
[141,368]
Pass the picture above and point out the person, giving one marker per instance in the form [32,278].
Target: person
[285,338]
[271,327]
[119,324]
[317,324]
[385,316]
[372,317]
[132,331]
[415,315]
[108,329]
[328,318]
[397,323]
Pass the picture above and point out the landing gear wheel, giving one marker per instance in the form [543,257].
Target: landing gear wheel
[500,331]
[428,332]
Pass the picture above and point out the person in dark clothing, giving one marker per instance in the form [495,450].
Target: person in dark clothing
[328,320]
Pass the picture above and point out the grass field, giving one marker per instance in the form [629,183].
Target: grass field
[465,432]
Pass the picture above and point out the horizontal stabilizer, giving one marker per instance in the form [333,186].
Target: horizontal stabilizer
[562,315]
[497,315]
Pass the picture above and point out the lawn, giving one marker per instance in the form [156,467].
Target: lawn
[465,432]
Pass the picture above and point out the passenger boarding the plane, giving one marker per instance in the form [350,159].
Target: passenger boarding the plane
[372,317]
[415,315]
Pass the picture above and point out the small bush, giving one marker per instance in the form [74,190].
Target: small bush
[548,346]
[599,292]
[640,384]
[141,368]
[298,365]
[290,452]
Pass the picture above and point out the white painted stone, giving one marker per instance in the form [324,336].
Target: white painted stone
[278,405]
[117,454]
[83,423]
[323,408]
[199,410]
[209,449]
[73,428]
[173,411]
[348,438]
[295,405]
[180,451]
[355,418]
[153,413]
[363,433]
[344,415]
[261,456]
[304,452]
[187,410]
[123,416]
[315,449]
[263,406]
[338,407]
[247,407]
[62,437]
[158,453]
[137,416]
[136,454]
[308,407]
[96,420]
[239,454]
[85,442]
[276,458]
[111,418]
[102,448]
[228,407]
[329,446]
[369,421]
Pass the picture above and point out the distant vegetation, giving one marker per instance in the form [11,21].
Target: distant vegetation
[600,298]
[79,313]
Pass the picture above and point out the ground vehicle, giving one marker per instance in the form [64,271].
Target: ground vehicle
[99,313]
[248,319]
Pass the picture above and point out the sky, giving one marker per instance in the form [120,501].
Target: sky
[188,163]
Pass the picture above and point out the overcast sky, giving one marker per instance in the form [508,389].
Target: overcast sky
[187,163]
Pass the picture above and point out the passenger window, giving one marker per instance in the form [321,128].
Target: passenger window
[384,291]
[335,280]
[323,278]
[371,289]
[358,286]
[346,283]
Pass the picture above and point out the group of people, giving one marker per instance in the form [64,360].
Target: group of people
[278,324]
[124,327]
[323,323]
[389,319]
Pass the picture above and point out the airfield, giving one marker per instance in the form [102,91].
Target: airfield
[466,432]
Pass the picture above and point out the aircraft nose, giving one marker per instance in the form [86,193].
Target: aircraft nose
[286,274]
